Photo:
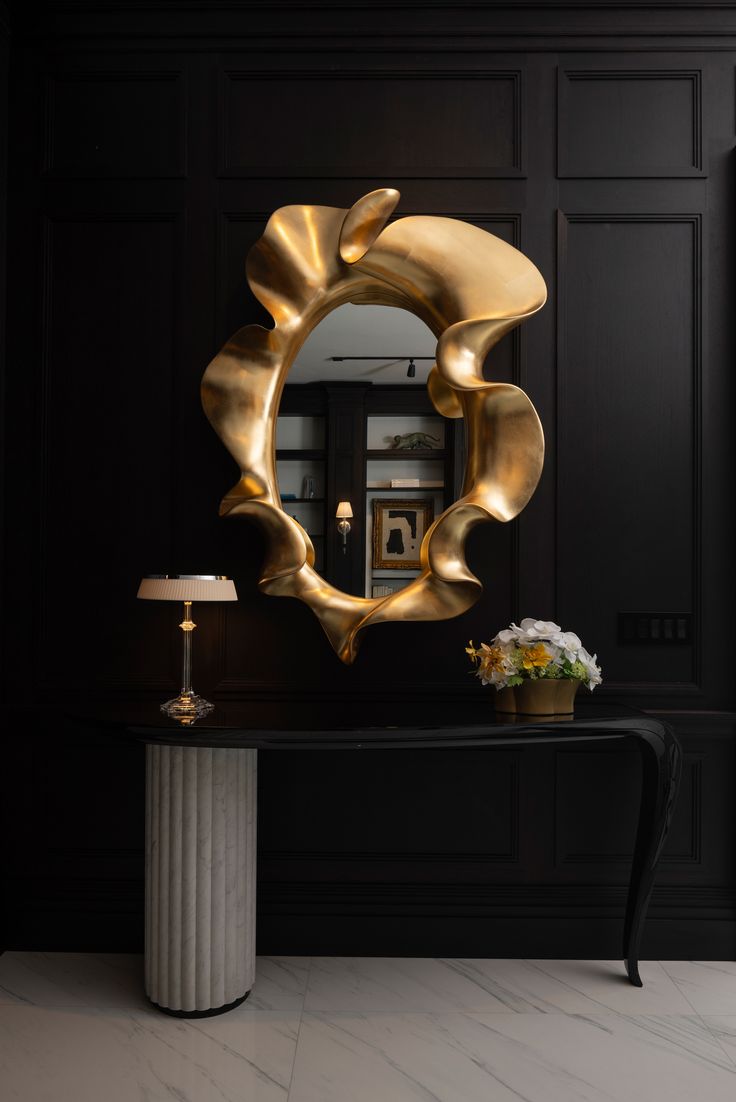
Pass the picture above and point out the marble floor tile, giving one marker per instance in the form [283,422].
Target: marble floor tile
[577,986]
[708,985]
[481,1057]
[72,979]
[116,979]
[81,1054]
[281,983]
[367,984]
[723,1028]
[76,1028]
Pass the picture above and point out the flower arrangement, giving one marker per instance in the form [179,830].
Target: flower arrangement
[535,650]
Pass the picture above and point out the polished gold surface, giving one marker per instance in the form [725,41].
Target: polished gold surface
[470,288]
[539,697]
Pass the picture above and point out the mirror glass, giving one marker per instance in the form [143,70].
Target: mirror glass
[365,367]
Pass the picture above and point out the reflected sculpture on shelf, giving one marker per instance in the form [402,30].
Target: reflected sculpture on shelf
[408,441]
[470,288]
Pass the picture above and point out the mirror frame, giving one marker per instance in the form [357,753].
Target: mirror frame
[470,288]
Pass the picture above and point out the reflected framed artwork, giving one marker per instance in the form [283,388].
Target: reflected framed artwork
[398,530]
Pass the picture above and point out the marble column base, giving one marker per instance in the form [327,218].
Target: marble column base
[200,878]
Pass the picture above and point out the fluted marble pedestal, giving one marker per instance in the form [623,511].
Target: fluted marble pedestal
[200,878]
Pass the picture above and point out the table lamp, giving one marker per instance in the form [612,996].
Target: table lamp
[187,706]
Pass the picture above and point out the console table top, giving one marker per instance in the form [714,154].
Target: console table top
[362,726]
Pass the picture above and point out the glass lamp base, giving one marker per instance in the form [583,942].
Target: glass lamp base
[187,707]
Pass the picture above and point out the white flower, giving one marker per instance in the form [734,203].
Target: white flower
[534,631]
[569,643]
[591,668]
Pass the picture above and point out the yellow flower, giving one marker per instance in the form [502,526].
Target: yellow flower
[491,659]
[536,656]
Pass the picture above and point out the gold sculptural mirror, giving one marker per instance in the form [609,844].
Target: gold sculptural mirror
[465,289]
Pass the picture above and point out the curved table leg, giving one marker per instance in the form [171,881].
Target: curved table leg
[200,878]
[661,766]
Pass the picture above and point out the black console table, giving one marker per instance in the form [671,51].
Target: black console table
[201,820]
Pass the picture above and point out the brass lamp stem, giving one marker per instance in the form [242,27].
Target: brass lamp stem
[187,626]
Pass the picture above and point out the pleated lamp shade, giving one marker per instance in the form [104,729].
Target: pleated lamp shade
[187,587]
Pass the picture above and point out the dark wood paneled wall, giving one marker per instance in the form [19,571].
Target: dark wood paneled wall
[148,144]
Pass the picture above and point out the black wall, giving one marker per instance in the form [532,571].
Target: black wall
[148,144]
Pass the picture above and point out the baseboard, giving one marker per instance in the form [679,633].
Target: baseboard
[465,921]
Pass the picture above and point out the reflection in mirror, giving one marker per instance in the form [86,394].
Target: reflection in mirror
[375,361]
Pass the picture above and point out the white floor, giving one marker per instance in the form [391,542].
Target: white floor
[75,1028]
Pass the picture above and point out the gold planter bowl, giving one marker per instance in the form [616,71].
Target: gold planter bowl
[546,697]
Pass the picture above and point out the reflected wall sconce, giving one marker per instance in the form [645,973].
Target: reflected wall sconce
[344,511]
[187,706]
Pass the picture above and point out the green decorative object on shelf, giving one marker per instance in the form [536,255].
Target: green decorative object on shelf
[412,440]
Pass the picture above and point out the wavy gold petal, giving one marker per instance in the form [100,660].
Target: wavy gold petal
[442,396]
[364,221]
[470,288]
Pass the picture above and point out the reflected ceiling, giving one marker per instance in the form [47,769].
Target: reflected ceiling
[368,330]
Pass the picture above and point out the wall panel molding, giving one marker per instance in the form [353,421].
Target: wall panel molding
[570,899]
[271,148]
[628,142]
[689,811]
[155,673]
[92,133]
[389,856]
[470,26]
[687,683]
